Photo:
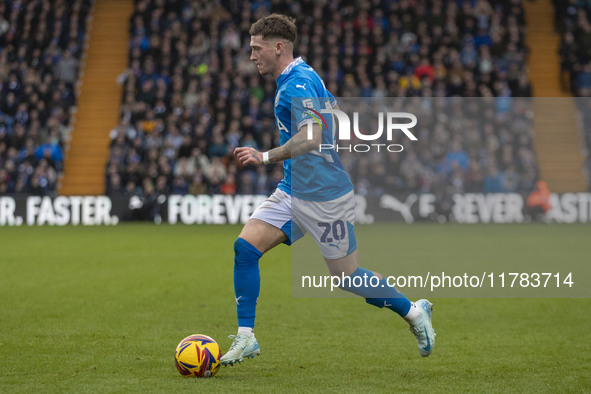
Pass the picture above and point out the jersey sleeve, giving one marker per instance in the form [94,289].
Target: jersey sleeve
[305,104]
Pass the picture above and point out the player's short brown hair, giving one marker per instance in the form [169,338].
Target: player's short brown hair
[275,26]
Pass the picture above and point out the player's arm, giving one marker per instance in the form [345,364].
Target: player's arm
[297,145]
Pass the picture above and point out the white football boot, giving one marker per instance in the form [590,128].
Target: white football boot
[244,346]
[423,329]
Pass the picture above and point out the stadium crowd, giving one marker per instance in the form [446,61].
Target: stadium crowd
[573,20]
[191,94]
[41,42]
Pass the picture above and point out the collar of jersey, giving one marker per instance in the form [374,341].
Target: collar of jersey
[291,65]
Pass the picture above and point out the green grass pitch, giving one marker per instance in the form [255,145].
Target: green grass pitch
[101,309]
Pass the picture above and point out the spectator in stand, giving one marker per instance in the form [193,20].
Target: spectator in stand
[229,186]
[455,157]
[494,180]
[538,202]
[66,69]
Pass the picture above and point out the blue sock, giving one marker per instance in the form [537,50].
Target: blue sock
[381,296]
[247,281]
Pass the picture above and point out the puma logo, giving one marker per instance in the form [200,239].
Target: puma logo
[387,201]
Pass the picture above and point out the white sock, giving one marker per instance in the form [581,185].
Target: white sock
[248,331]
[413,313]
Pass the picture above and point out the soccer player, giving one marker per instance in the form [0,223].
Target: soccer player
[321,194]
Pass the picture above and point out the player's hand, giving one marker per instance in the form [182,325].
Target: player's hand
[246,156]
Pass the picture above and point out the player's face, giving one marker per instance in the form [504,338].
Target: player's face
[263,54]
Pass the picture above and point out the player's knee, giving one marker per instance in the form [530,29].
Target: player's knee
[237,243]
[244,251]
[239,246]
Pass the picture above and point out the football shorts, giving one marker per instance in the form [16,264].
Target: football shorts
[330,223]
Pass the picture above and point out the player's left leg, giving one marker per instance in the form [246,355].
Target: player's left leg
[269,226]
[256,238]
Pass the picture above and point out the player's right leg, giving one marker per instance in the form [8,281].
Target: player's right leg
[358,280]
[339,249]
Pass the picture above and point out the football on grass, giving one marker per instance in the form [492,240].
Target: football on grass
[198,356]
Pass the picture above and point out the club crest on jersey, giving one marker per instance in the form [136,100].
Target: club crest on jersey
[317,117]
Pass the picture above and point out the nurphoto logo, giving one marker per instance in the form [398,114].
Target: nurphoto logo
[343,133]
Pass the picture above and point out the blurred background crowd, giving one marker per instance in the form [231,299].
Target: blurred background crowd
[41,43]
[191,94]
[573,19]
